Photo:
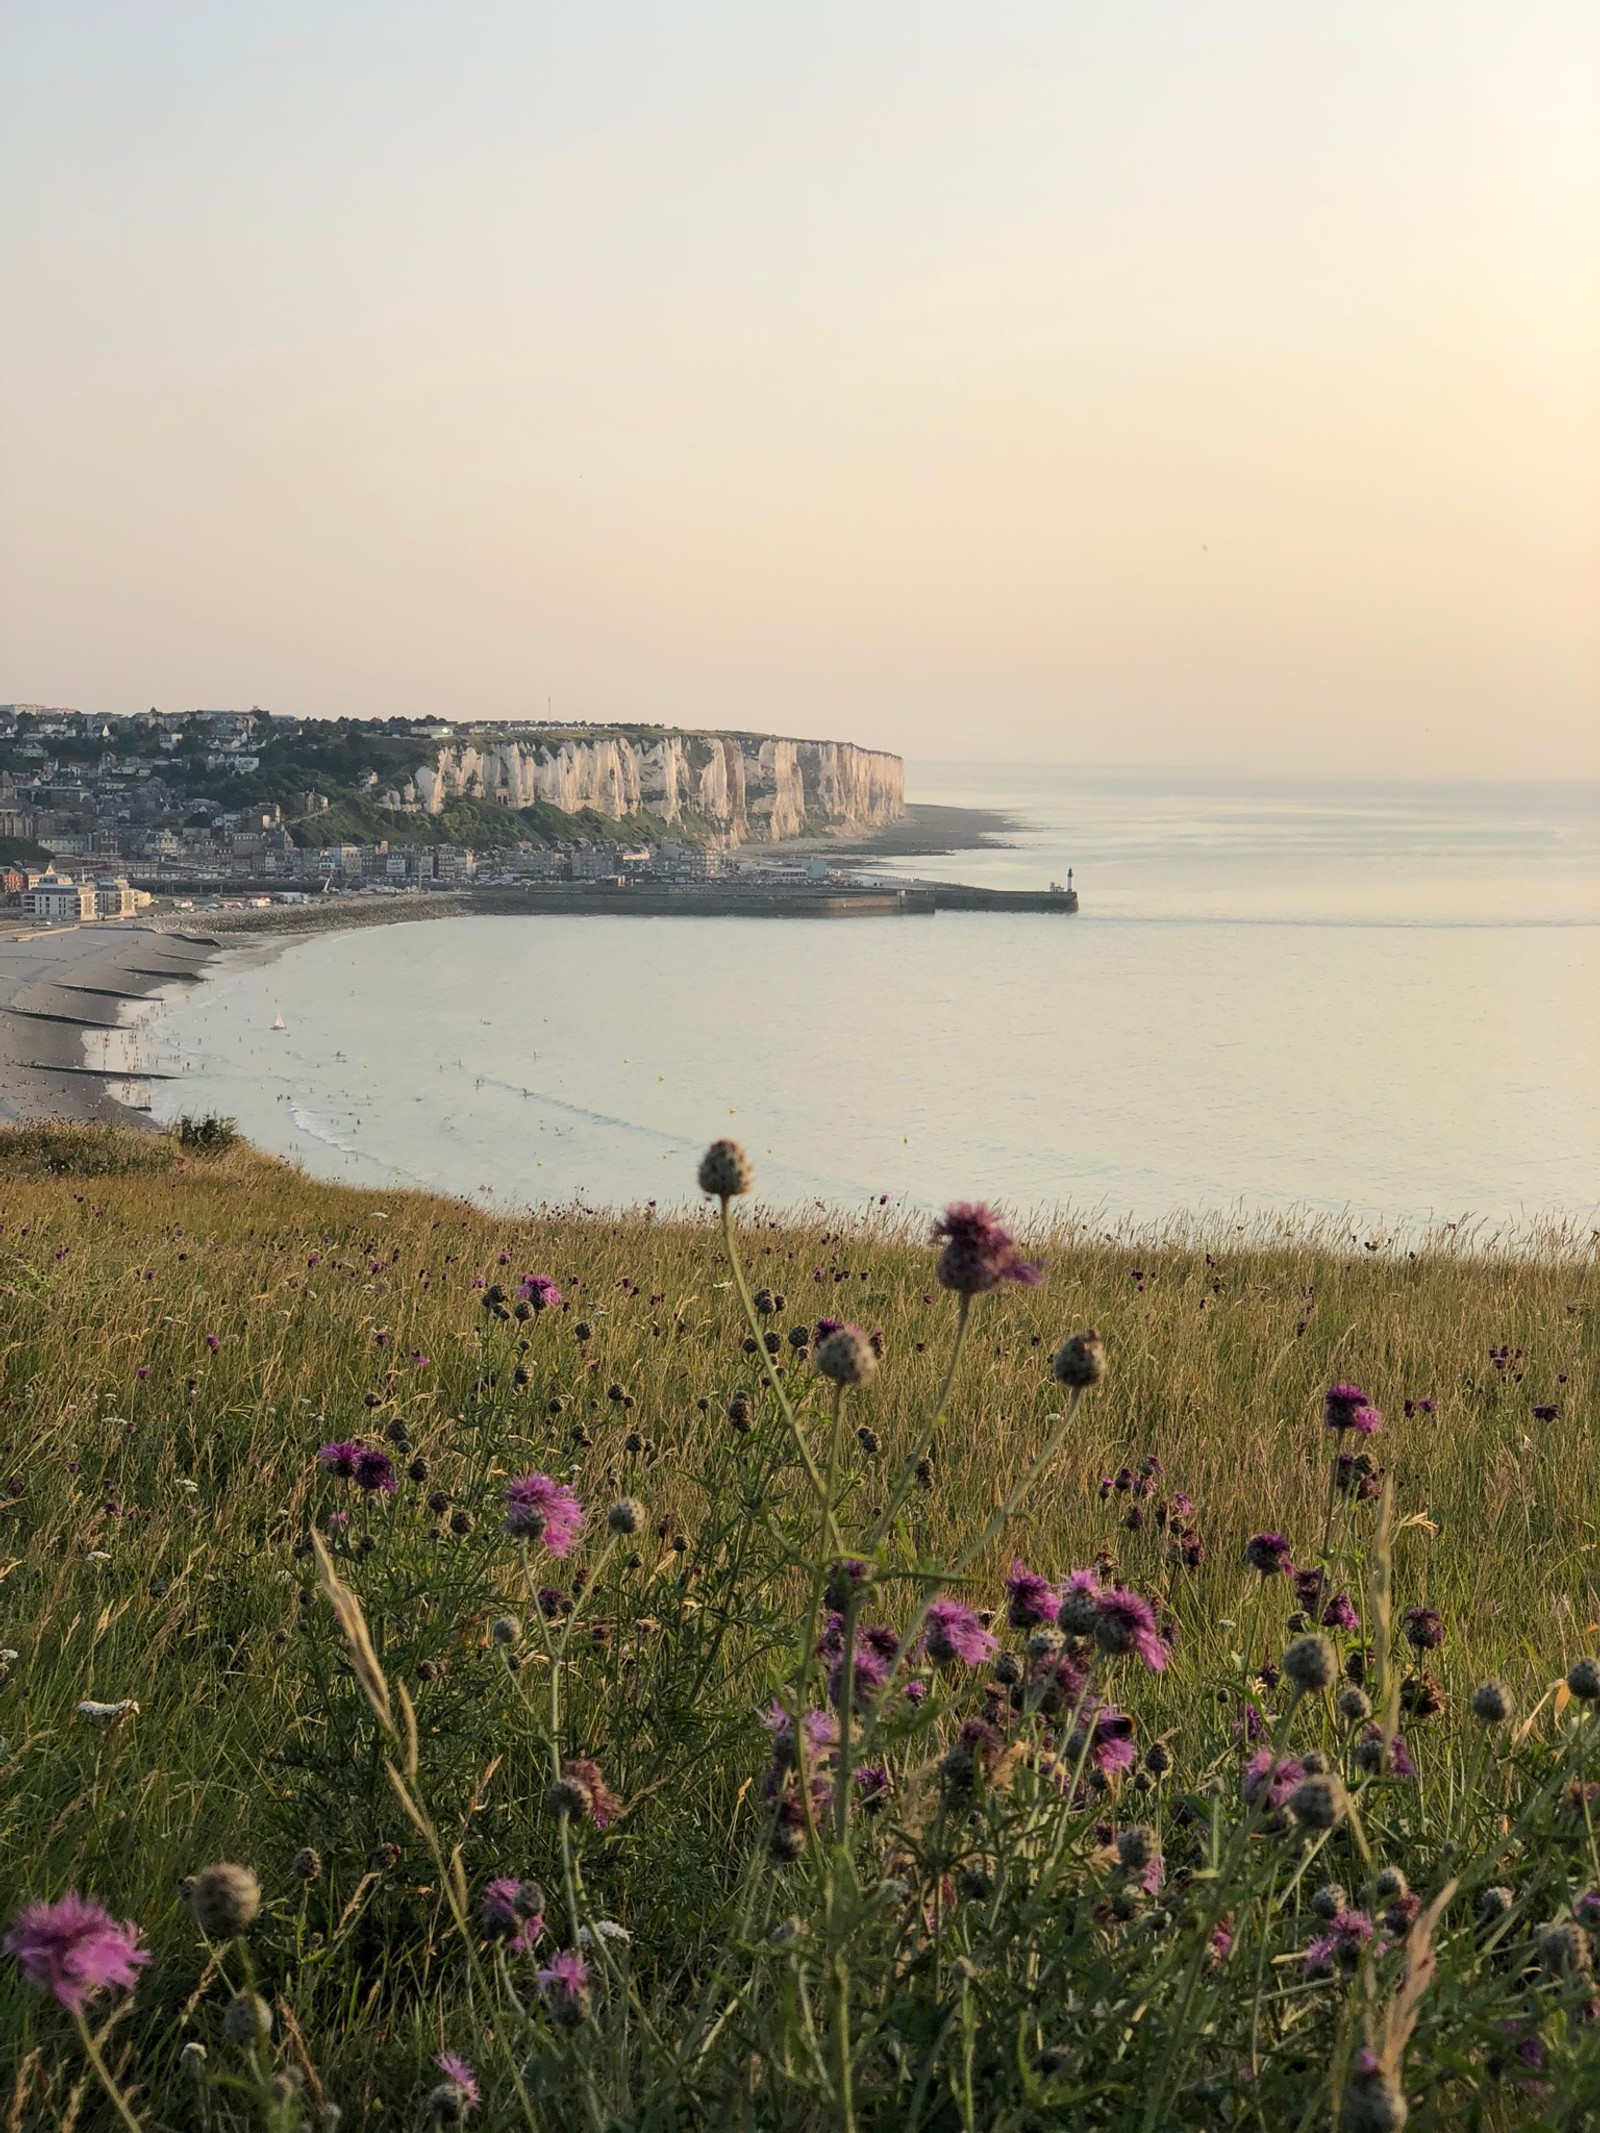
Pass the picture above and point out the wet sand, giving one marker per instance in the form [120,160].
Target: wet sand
[59,985]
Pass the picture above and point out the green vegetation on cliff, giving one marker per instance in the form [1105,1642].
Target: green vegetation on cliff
[1029,1893]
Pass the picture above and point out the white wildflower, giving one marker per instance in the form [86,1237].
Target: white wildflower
[605,1929]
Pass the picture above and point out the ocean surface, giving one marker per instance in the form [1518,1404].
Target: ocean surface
[1280,999]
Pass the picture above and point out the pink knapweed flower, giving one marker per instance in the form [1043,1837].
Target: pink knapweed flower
[565,1986]
[1339,1405]
[538,1508]
[1340,1946]
[1031,1600]
[979,1251]
[1264,1779]
[1107,1735]
[953,1633]
[341,1458]
[74,1948]
[462,2079]
[1270,1553]
[512,1911]
[539,1291]
[1127,1623]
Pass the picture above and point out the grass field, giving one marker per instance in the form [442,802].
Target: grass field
[914,1913]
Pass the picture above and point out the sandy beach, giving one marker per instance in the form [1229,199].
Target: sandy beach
[61,984]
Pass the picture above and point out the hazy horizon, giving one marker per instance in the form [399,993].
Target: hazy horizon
[1154,390]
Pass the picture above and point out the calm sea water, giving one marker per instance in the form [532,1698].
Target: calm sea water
[1276,998]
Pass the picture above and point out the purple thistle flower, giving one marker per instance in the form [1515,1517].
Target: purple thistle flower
[1127,1623]
[1269,1553]
[1307,1586]
[1079,1611]
[867,1674]
[540,1292]
[1154,1874]
[979,1251]
[462,2079]
[1031,1600]
[1339,1404]
[1547,1411]
[341,1458]
[1108,1736]
[374,1473]
[820,1728]
[873,1781]
[1366,1421]
[1340,1613]
[565,1986]
[1424,1628]
[1348,1933]
[1263,1778]
[953,1632]
[538,1508]
[1373,1754]
[74,1948]
[512,1911]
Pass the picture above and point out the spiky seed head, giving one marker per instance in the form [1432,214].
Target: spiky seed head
[306,1865]
[1563,1948]
[568,1798]
[1583,1679]
[1158,1758]
[224,1899]
[1374,2102]
[1319,1802]
[1491,1703]
[193,2059]
[1080,1361]
[726,1171]
[1494,1903]
[506,1629]
[247,2020]
[1136,1847]
[845,1357]
[1313,1762]
[1311,1664]
[1330,1900]
[1390,1884]
[1353,1705]
[627,1515]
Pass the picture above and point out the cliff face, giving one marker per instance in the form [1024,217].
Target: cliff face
[754,790]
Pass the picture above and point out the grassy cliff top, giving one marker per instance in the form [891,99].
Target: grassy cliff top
[184,1330]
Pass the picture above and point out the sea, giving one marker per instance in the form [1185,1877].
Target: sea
[1321,1005]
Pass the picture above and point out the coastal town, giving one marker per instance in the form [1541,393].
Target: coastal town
[226,809]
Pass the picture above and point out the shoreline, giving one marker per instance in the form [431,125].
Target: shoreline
[59,986]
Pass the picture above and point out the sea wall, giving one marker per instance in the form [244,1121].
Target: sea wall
[754,790]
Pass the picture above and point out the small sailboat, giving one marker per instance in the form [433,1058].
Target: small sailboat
[277,1022]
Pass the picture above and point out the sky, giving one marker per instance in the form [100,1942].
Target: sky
[1155,385]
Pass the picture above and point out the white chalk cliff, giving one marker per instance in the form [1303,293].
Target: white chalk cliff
[752,789]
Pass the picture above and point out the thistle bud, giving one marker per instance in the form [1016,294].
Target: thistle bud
[845,1357]
[247,2020]
[1310,1664]
[726,1171]
[1491,1703]
[224,1899]
[1080,1361]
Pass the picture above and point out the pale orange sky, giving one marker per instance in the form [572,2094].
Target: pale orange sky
[1145,385]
